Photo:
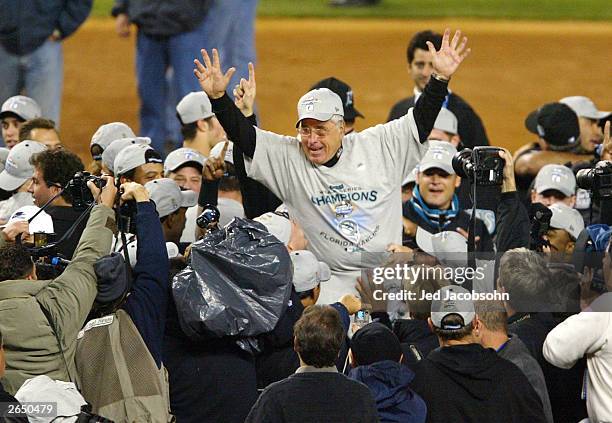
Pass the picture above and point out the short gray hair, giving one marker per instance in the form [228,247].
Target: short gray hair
[338,120]
[525,277]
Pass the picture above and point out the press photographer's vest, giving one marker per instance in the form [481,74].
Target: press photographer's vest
[119,377]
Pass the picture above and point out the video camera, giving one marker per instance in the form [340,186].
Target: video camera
[482,166]
[598,180]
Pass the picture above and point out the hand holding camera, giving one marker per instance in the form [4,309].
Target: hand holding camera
[508,184]
[103,189]
[134,191]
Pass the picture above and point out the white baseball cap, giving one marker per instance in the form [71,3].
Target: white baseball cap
[448,304]
[319,104]
[277,225]
[584,107]
[17,168]
[133,156]
[4,152]
[110,153]
[110,132]
[218,147]
[439,155]
[557,177]
[193,107]
[168,197]
[566,218]
[449,247]
[132,248]
[411,178]
[446,121]
[41,223]
[181,156]
[24,107]
[308,272]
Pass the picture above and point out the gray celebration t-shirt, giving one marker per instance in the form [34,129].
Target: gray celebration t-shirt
[351,207]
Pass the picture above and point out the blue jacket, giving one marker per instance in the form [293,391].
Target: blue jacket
[163,18]
[389,383]
[148,299]
[26,24]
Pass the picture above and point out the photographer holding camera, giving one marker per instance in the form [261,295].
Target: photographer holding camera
[53,169]
[40,319]
[434,206]
[129,335]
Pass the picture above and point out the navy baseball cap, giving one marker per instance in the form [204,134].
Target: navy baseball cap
[345,92]
[556,123]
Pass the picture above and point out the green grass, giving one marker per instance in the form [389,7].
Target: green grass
[495,9]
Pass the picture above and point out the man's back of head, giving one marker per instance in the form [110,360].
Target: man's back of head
[316,392]
[318,336]
[462,381]
[524,276]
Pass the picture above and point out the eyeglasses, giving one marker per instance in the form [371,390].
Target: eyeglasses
[305,131]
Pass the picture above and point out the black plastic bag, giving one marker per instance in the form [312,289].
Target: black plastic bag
[237,284]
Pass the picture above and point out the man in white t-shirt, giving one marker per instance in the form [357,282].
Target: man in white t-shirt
[345,191]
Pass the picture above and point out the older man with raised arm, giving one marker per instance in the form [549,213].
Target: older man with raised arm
[344,190]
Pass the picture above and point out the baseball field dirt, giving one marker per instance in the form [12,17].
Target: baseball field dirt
[514,67]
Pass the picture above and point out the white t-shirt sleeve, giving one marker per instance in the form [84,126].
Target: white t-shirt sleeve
[400,144]
[271,163]
[580,334]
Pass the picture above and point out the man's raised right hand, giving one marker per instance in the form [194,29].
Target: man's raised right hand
[212,79]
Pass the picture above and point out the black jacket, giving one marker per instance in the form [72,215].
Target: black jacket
[6,398]
[315,397]
[63,219]
[470,129]
[416,339]
[212,381]
[564,385]
[26,24]
[468,383]
[163,18]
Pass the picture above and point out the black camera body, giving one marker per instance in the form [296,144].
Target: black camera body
[209,218]
[598,180]
[126,217]
[482,165]
[540,216]
[78,189]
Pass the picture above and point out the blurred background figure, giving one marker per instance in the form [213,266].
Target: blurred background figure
[31,55]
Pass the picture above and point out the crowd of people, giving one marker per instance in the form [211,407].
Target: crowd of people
[138,287]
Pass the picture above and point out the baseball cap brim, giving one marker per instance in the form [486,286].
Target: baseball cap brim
[322,117]
[353,113]
[9,182]
[448,168]
[600,115]
[188,198]
[557,187]
[8,113]
[531,122]
[424,240]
